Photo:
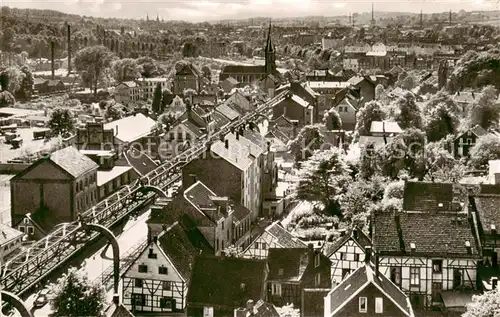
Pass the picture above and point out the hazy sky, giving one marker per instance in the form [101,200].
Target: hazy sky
[202,10]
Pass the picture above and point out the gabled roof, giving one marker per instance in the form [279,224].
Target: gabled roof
[72,161]
[129,84]
[232,154]
[226,281]
[39,81]
[220,120]
[467,97]
[431,234]
[284,238]
[390,127]
[118,311]
[189,69]
[131,128]
[357,235]
[8,234]
[356,282]
[300,101]
[139,161]
[287,264]
[200,197]
[477,130]
[44,220]
[231,80]
[227,111]
[487,207]
[246,146]
[428,196]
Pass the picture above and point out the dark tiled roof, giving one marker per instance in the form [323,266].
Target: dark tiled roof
[182,249]
[227,282]
[284,238]
[489,189]
[73,162]
[256,138]
[477,130]
[228,112]
[434,234]
[119,311]
[292,263]
[358,281]
[193,127]
[487,207]
[240,212]
[424,196]
[220,120]
[7,233]
[263,309]
[142,163]
[243,69]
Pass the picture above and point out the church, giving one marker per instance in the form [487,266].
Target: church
[250,74]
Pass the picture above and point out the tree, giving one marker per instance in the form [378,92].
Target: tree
[207,72]
[26,88]
[407,81]
[441,122]
[484,305]
[157,99]
[394,190]
[14,78]
[380,92]
[332,119]
[125,69]
[307,141]
[361,195]
[93,62]
[371,111]
[113,112]
[61,122]
[487,148]
[485,110]
[6,99]
[435,163]
[408,114]
[324,177]
[149,67]
[75,295]
[166,119]
[368,163]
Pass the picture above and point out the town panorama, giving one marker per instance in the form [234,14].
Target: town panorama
[332,166]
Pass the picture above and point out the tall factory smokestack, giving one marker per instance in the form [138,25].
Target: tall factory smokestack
[52,49]
[69,49]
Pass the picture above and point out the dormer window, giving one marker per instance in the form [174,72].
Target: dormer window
[152,255]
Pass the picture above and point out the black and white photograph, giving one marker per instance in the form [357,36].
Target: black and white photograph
[249,158]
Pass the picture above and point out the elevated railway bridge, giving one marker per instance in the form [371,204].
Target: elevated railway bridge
[25,270]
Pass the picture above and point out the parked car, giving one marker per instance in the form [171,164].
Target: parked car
[42,298]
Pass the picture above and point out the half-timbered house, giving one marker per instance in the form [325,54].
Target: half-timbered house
[347,253]
[157,281]
[274,236]
[292,270]
[429,255]
[367,293]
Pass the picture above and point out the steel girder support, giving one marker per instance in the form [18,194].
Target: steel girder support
[116,249]
[17,303]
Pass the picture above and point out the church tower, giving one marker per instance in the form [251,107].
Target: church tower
[270,54]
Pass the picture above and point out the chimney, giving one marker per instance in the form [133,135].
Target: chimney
[494,282]
[250,305]
[493,229]
[383,131]
[310,246]
[226,144]
[355,233]
[194,178]
[69,49]
[116,130]
[53,66]
[413,247]
[368,254]
[473,97]
[240,312]
[468,247]
[116,299]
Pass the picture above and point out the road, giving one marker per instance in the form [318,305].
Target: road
[134,231]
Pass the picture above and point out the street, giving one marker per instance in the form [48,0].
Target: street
[134,231]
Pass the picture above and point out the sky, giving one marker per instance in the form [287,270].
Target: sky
[213,10]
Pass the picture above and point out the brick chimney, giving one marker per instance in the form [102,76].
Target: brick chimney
[116,299]
[226,144]
[368,254]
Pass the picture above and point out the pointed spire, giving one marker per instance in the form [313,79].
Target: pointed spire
[373,15]
[147,16]
[157,18]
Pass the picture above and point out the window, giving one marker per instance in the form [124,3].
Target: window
[31,230]
[396,275]
[143,268]
[414,276]
[166,303]
[263,245]
[26,221]
[379,305]
[138,282]
[317,259]
[166,285]
[208,311]
[356,257]
[362,305]
[139,299]
[222,224]
[437,266]
[317,279]
[256,245]
[345,272]
[469,141]
[22,229]
[162,270]
[152,255]
[276,289]
[342,255]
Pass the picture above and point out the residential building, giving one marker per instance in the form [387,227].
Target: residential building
[140,162]
[148,86]
[131,130]
[228,112]
[192,125]
[304,91]
[274,236]
[313,301]
[465,141]
[366,86]
[465,99]
[385,128]
[326,91]
[269,83]
[293,269]
[250,74]
[94,137]
[294,107]
[158,279]
[227,168]
[347,253]
[10,240]
[259,309]
[347,112]
[365,292]
[219,285]
[111,179]
[430,255]
[188,77]
[287,128]
[238,102]
[66,174]
[228,84]
[127,92]
[321,75]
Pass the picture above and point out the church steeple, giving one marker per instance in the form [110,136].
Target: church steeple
[270,54]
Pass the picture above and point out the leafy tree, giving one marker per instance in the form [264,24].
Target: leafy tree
[484,305]
[167,119]
[6,99]
[476,70]
[324,177]
[435,163]
[307,141]
[379,92]
[157,98]
[485,111]
[408,115]
[444,98]
[14,78]
[149,67]
[441,122]
[368,163]
[207,72]
[394,190]
[93,62]
[26,88]
[75,295]
[407,81]
[125,69]
[486,148]
[332,119]
[371,111]
[113,112]
[361,195]
[61,122]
